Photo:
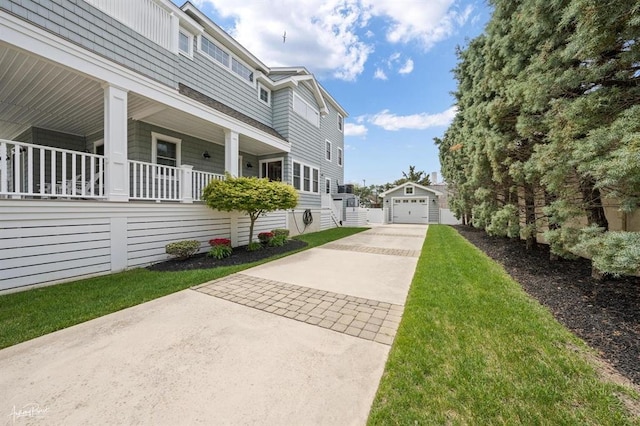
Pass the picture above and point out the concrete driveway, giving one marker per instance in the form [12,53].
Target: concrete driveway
[302,340]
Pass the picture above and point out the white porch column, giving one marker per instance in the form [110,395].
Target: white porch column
[231,152]
[115,144]
[186,184]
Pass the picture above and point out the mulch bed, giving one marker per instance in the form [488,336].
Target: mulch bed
[606,314]
[239,256]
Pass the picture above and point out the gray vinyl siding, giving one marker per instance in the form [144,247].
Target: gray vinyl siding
[282,107]
[222,84]
[329,131]
[307,145]
[434,211]
[87,26]
[140,144]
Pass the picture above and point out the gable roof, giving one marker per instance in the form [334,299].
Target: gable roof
[395,188]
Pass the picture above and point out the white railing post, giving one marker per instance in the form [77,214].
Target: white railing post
[175,29]
[115,144]
[4,175]
[186,184]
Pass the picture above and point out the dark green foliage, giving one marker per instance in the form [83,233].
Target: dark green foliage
[548,108]
[220,251]
[254,246]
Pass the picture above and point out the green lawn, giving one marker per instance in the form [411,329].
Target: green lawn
[474,349]
[36,312]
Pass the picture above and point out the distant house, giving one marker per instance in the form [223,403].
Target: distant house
[113,119]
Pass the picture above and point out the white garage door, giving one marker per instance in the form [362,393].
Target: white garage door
[414,210]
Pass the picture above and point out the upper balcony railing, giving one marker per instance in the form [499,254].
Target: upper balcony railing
[146,17]
[28,170]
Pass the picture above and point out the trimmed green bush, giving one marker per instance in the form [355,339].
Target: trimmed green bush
[254,246]
[183,249]
[278,241]
[280,231]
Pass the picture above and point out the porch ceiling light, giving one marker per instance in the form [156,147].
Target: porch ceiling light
[206,155]
[249,165]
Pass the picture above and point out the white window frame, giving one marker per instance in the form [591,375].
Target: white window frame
[309,110]
[328,150]
[260,88]
[314,172]
[189,53]
[340,158]
[231,57]
[327,181]
[271,160]
[251,82]
[154,147]
[340,123]
[407,188]
[212,58]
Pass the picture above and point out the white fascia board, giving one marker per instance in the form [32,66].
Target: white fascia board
[228,41]
[25,36]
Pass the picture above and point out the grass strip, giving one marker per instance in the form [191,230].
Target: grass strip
[474,348]
[33,313]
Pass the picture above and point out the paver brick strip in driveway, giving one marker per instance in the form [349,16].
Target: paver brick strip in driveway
[356,316]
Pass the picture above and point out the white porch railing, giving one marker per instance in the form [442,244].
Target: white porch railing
[149,181]
[28,170]
[156,182]
[200,180]
[146,17]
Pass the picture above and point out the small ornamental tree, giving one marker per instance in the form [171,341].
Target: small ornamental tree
[249,195]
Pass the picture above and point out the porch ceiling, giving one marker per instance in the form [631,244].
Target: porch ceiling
[38,93]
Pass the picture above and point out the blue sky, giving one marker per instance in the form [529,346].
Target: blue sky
[387,62]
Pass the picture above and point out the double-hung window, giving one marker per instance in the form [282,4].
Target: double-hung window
[340,157]
[327,149]
[264,94]
[306,178]
[185,43]
[340,122]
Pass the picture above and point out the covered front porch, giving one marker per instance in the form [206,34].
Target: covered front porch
[69,135]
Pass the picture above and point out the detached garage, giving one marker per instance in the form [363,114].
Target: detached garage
[411,203]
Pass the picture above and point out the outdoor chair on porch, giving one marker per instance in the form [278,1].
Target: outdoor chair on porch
[77,187]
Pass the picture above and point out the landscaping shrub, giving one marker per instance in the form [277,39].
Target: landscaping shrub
[616,252]
[183,249]
[278,241]
[220,248]
[254,246]
[265,237]
[280,232]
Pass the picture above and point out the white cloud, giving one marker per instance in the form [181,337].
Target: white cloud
[407,68]
[379,74]
[351,129]
[332,37]
[393,122]
[426,22]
